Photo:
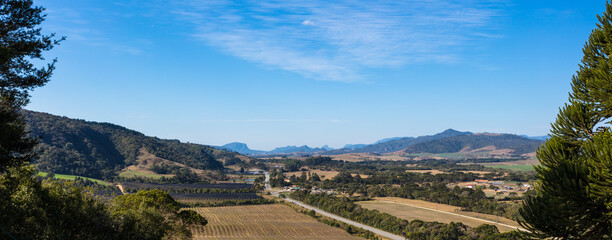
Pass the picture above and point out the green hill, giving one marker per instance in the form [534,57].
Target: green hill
[101,150]
[471,142]
[396,144]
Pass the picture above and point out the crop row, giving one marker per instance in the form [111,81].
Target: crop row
[135,185]
[262,221]
[199,197]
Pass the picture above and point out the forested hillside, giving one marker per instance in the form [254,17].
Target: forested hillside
[100,150]
[519,145]
[398,144]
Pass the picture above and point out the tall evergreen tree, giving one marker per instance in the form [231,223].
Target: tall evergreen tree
[20,41]
[574,189]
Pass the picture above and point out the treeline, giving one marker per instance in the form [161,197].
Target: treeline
[106,191]
[259,201]
[415,229]
[194,190]
[374,167]
[100,150]
[427,187]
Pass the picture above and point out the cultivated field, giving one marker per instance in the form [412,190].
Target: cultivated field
[272,221]
[212,197]
[427,211]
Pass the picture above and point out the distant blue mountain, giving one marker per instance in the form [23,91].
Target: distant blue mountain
[301,149]
[327,148]
[241,148]
[541,138]
[354,146]
[384,140]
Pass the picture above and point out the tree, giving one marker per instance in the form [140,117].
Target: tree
[20,42]
[153,214]
[574,190]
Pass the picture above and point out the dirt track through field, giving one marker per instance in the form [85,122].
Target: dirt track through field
[455,215]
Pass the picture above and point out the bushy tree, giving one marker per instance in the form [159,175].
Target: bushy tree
[153,214]
[20,42]
[574,189]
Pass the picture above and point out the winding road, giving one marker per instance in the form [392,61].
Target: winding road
[330,215]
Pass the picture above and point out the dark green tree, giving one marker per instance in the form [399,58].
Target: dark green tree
[574,189]
[20,42]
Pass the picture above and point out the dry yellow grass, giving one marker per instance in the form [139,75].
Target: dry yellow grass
[397,207]
[145,160]
[433,172]
[274,221]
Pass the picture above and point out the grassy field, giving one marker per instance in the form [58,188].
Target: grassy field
[432,172]
[131,174]
[273,221]
[522,167]
[72,177]
[399,207]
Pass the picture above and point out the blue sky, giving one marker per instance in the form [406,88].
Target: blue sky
[276,73]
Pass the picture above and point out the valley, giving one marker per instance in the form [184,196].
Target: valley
[218,183]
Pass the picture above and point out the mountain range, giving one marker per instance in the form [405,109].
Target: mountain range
[102,150]
[242,148]
[448,141]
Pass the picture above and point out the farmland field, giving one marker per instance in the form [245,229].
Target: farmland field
[166,187]
[274,221]
[414,209]
[212,197]
[133,174]
[523,167]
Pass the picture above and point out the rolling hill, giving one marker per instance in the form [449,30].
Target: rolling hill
[397,144]
[101,150]
[502,144]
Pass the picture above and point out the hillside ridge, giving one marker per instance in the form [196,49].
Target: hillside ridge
[101,150]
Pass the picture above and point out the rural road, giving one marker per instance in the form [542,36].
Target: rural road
[324,213]
[455,214]
[356,224]
[120,188]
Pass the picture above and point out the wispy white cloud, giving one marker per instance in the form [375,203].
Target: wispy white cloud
[337,40]
[308,22]
[73,24]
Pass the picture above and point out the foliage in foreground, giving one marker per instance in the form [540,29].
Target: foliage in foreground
[574,190]
[51,209]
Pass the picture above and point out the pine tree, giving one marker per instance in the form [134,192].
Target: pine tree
[20,41]
[574,189]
